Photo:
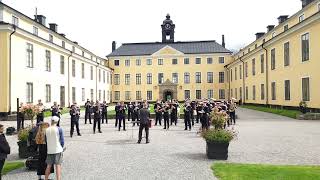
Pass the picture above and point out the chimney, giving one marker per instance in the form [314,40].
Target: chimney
[282,18]
[270,27]
[53,27]
[306,2]
[223,43]
[40,19]
[113,45]
[259,35]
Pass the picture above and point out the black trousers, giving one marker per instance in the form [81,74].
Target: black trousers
[173,117]
[116,121]
[20,123]
[40,118]
[74,123]
[123,119]
[96,120]
[187,123]
[198,117]
[135,117]
[158,118]
[146,128]
[166,121]
[204,122]
[1,166]
[86,116]
[192,119]
[104,116]
[129,115]
[233,117]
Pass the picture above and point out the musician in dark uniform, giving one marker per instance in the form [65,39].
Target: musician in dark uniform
[97,117]
[174,113]
[187,116]
[75,116]
[157,108]
[193,107]
[166,109]
[55,111]
[116,109]
[144,122]
[205,117]
[20,117]
[104,112]
[199,108]
[122,115]
[130,110]
[40,115]
[88,111]
[135,113]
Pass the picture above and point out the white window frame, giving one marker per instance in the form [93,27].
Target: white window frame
[301,18]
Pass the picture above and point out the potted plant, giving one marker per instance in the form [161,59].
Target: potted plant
[217,138]
[23,142]
[30,111]
[303,107]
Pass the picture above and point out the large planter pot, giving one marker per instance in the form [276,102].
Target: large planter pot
[217,151]
[303,110]
[24,150]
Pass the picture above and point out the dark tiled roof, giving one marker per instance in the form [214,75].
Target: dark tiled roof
[191,47]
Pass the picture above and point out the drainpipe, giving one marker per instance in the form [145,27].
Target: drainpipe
[10,67]
[267,76]
[228,73]
[69,79]
[243,82]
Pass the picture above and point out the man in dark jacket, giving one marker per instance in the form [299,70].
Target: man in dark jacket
[4,149]
[144,122]
[97,117]
[88,106]
[75,116]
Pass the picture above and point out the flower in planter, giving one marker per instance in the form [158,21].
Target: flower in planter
[219,135]
[30,111]
[218,119]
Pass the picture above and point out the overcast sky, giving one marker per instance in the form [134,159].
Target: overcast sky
[95,24]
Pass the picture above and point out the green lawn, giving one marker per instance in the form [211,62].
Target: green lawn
[228,171]
[10,166]
[63,111]
[113,112]
[283,112]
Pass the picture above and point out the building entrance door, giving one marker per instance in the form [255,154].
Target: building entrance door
[167,95]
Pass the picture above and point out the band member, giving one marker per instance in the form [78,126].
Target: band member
[135,114]
[97,117]
[122,115]
[232,111]
[173,114]
[75,116]
[205,117]
[40,115]
[198,109]
[88,111]
[166,110]
[194,112]
[104,112]
[130,110]
[144,123]
[55,111]
[117,108]
[187,116]
[158,109]
[20,117]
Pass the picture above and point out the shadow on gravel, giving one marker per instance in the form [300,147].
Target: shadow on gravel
[192,156]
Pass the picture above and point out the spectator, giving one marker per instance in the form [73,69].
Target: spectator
[4,149]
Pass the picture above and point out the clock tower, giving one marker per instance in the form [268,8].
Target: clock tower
[167,30]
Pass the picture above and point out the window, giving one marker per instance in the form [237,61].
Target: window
[73,94]
[29,55]
[209,60]
[91,94]
[262,63]
[235,73]
[138,95]
[240,92]
[198,94]
[117,95]
[255,46]
[99,75]
[305,89]
[127,79]
[285,27]
[62,96]
[29,94]
[210,77]
[48,61]
[273,91]
[160,61]
[273,59]
[82,53]
[222,94]
[210,94]
[186,78]
[175,78]
[149,78]
[149,61]
[231,93]
[253,92]
[174,61]
[82,70]
[50,38]
[73,68]
[61,64]
[262,92]
[319,7]
[221,77]
[104,95]
[117,79]
[198,77]
[83,94]
[186,94]
[117,62]
[35,30]
[273,34]
[138,79]
[91,72]
[248,50]
[73,49]
[236,93]
[186,61]
[247,93]
[287,90]
[305,47]
[63,44]
[127,95]
[138,62]
[286,54]
[240,71]
[246,69]
[221,60]
[301,18]
[253,67]
[127,62]
[15,21]
[149,95]
[160,78]
[104,77]
[108,78]
[198,60]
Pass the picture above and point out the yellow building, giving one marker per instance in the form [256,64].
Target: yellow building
[169,69]
[281,66]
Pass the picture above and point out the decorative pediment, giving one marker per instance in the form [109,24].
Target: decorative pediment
[168,83]
[167,51]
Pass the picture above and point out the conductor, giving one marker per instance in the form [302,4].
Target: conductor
[144,122]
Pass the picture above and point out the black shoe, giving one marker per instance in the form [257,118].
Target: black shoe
[71,135]
[79,134]
[185,129]
[100,132]
[164,128]
[94,132]
[147,142]
[139,142]
[124,130]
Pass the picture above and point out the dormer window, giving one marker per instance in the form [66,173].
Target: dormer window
[15,21]
[82,53]
[35,30]
[63,44]
[273,34]
[286,27]
[301,18]
[73,49]
[50,38]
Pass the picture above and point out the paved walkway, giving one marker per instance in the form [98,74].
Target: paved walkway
[178,154]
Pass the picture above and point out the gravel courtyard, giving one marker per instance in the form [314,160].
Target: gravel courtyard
[178,154]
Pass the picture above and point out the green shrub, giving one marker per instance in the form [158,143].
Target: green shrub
[24,134]
[219,135]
